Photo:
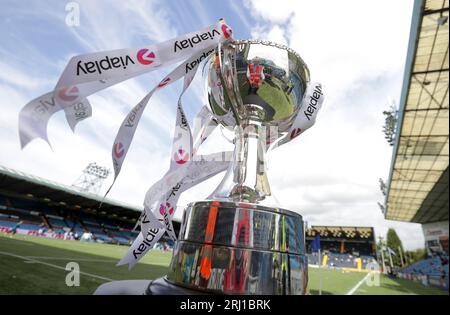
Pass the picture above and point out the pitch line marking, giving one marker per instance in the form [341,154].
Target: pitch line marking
[356,287]
[52,265]
[71,259]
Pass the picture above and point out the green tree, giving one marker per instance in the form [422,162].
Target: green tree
[394,243]
[415,255]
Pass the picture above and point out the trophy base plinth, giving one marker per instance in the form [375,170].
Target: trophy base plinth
[239,248]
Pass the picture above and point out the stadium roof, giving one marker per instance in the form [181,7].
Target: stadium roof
[27,186]
[418,180]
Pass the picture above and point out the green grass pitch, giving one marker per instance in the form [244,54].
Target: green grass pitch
[33,265]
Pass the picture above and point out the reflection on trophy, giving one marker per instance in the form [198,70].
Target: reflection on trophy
[240,241]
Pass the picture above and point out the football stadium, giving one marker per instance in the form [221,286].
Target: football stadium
[46,226]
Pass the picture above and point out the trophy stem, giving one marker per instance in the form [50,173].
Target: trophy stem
[246,178]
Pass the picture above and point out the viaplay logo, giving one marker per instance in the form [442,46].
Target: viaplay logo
[181,157]
[227,31]
[164,82]
[68,94]
[145,57]
[162,207]
[118,150]
[295,132]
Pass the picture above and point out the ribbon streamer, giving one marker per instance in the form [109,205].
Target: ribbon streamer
[89,73]
[306,117]
[201,169]
[34,117]
[309,108]
[126,132]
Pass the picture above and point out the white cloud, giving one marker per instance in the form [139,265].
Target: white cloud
[12,76]
[121,24]
[274,11]
[275,34]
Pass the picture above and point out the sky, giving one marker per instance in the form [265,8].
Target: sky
[356,49]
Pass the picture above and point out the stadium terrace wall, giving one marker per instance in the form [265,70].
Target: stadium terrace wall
[342,239]
[31,198]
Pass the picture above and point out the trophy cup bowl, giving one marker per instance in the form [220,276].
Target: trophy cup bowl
[240,241]
[251,72]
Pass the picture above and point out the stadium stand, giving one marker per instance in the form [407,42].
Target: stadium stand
[434,269]
[342,247]
[32,205]
[35,206]
[419,169]
[417,188]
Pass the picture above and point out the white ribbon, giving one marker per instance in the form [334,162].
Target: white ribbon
[89,73]
[126,132]
[207,167]
[306,117]
[182,145]
[199,170]
[161,199]
[83,72]
[34,117]
[204,124]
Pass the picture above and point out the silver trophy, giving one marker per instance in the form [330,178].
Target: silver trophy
[240,241]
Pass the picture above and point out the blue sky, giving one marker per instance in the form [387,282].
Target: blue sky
[357,49]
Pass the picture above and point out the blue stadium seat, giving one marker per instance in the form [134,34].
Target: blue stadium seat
[56,222]
[8,224]
[430,266]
